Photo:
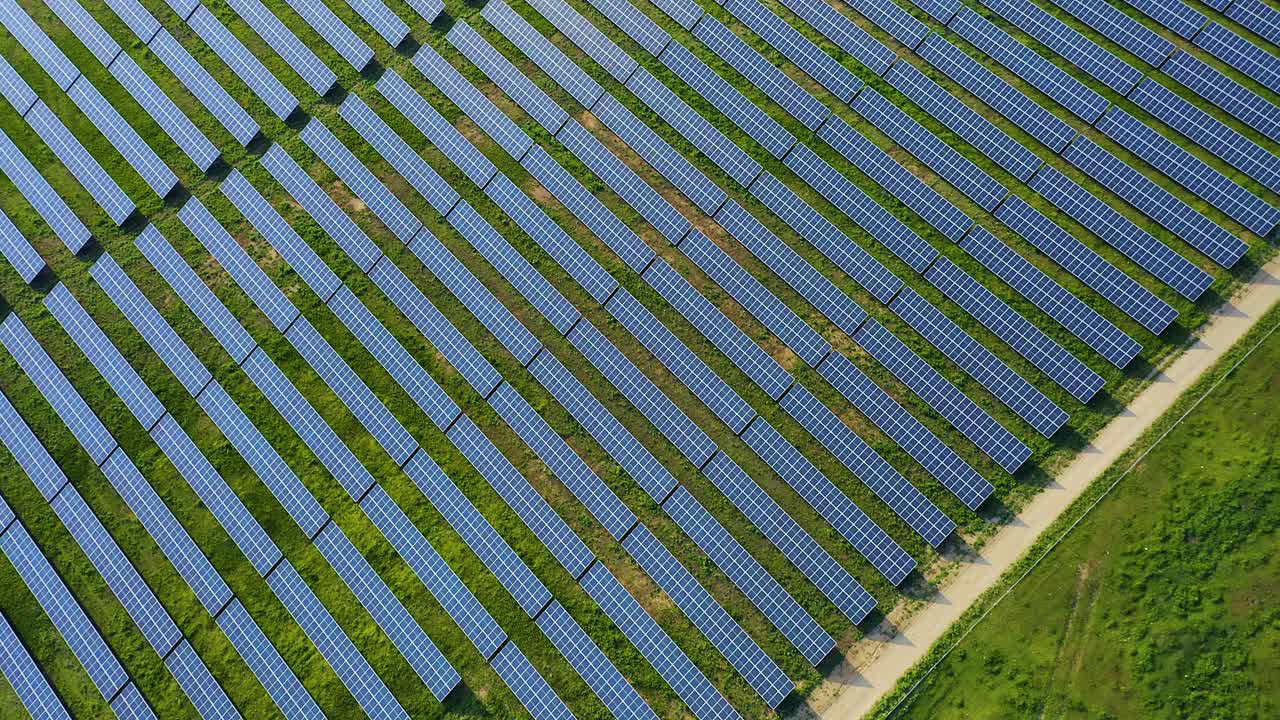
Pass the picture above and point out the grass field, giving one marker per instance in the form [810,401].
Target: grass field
[1160,603]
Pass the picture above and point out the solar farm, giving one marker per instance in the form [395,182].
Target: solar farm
[572,358]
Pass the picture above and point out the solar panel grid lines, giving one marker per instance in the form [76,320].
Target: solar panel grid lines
[941,10]
[656,645]
[824,235]
[435,189]
[980,363]
[244,64]
[24,676]
[1256,16]
[15,89]
[428,9]
[435,574]
[529,686]
[842,513]
[1176,15]
[592,664]
[860,207]
[1092,269]
[1121,28]
[588,38]
[334,645]
[162,109]
[201,84]
[588,209]
[53,385]
[761,73]
[553,62]
[842,31]
[685,13]
[506,76]
[388,612]
[51,207]
[634,23]
[1237,100]
[1157,203]
[236,262]
[742,652]
[104,356]
[30,454]
[904,27]
[473,103]
[208,697]
[136,17]
[336,33]
[1045,293]
[381,19]
[135,596]
[129,704]
[216,495]
[183,8]
[523,499]
[797,48]
[280,38]
[993,90]
[1118,231]
[86,170]
[6,513]
[853,452]
[280,682]
[669,419]
[1191,172]
[433,325]
[1006,323]
[1019,160]
[123,138]
[38,44]
[531,594]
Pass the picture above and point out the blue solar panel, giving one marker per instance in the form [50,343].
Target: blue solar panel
[438,131]
[30,454]
[592,664]
[354,671]
[674,355]
[133,14]
[40,194]
[128,586]
[428,9]
[208,697]
[473,103]
[15,89]
[796,47]
[434,572]
[1258,17]
[1173,14]
[104,356]
[844,515]
[368,188]
[548,57]
[56,389]
[163,110]
[123,137]
[513,82]
[633,22]
[478,534]
[586,36]
[897,22]
[82,165]
[355,51]
[1120,28]
[382,19]
[130,705]
[1156,202]
[1028,340]
[826,237]
[6,514]
[287,45]
[201,84]
[657,647]
[528,685]
[1212,85]
[1121,233]
[40,45]
[216,495]
[390,614]
[261,656]
[847,35]
[1091,268]
[531,507]
[993,90]
[24,676]
[684,12]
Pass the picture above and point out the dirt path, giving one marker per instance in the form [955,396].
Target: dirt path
[859,682]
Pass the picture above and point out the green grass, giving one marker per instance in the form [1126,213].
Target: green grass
[1159,603]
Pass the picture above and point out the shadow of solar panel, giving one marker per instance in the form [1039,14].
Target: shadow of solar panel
[261,656]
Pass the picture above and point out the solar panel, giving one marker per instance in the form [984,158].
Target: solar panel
[163,110]
[208,697]
[1007,324]
[130,705]
[86,29]
[1121,233]
[183,8]
[216,495]
[528,685]
[869,214]
[30,454]
[674,355]
[15,89]
[996,92]
[785,534]
[38,192]
[24,676]
[351,667]
[1120,28]
[761,73]
[287,45]
[382,19]
[261,656]
[1256,16]
[1190,171]
[592,664]
[1091,268]
[303,418]
[512,81]
[434,572]
[531,507]
[826,237]
[847,36]
[1212,85]
[6,514]
[201,84]
[390,614]
[633,22]
[40,45]
[571,469]
[657,647]
[1010,388]
[355,51]
[428,9]
[56,389]
[844,515]
[82,165]
[126,584]
[547,56]
[669,419]
[104,356]
[1173,14]
[1157,203]
[473,103]
[897,22]
[438,131]
[708,616]
[796,47]
[942,10]
[123,137]
[586,36]
[478,534]
[368,188]
[405,159]
[684,12]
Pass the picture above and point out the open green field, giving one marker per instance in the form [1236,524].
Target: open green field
[1161,602]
